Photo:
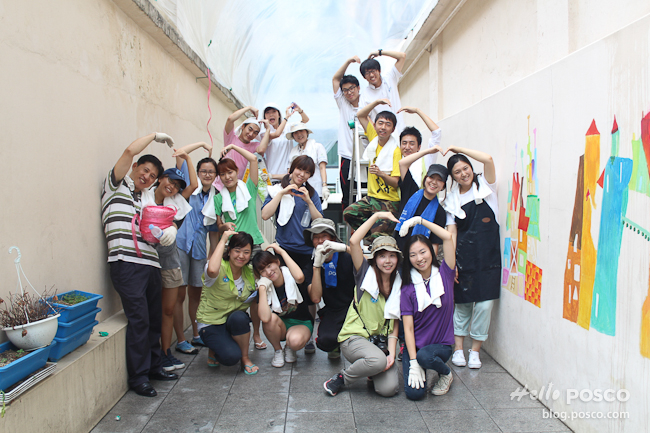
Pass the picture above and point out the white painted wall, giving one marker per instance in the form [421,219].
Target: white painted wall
[498,63]
[80,81]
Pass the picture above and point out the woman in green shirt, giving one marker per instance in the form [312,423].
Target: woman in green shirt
[228,287]
[235,206]
[368,339]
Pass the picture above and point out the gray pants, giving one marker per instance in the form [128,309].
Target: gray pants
[369,361]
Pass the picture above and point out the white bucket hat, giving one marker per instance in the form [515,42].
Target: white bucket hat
[298,127]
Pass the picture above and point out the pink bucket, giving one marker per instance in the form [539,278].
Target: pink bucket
[160,216]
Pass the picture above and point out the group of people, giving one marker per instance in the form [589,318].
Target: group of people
[383,297]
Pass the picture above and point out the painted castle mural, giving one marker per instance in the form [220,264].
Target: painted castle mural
[521,275]
[591,272]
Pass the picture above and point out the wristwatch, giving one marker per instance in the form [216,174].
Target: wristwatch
[380,50]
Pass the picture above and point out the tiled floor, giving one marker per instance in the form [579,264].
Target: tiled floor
[292,399]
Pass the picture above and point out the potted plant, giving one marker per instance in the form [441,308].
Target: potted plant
[74,304]
[16,364]
[29,321]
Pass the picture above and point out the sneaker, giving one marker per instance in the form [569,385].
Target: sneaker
[186,348]
[167,364]
[334,354]
[474,360]
[334,385]
[310,347]
[196,341]
[458,359]
[289,355]
[401,351]
[278,359]
[442,385]
[177,363]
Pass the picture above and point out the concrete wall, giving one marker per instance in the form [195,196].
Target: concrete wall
[80,81]
[511,78]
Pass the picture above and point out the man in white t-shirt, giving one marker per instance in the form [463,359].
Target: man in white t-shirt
[383,86]
[346,95]
[276,153]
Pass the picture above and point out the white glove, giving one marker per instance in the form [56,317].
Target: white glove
[161,137]
[263,281]
[264,176]
[416,375]
[406,225]
[168,237]
[325,193]
[331,246]
[319,256]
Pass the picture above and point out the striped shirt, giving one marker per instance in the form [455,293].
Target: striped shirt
[119,204]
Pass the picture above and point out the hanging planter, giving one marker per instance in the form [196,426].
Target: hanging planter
[29,321]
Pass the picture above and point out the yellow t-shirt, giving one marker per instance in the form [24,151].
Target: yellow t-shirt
[377,187]
[371,132]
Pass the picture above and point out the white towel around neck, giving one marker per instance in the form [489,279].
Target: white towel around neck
[176,201]
[286,205]
[290,289]
[385,158]
[242,196]
[452,202]
[392,308]
[436,288]
[209,212]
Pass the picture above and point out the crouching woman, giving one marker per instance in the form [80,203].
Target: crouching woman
[365,323]
[284,315]
[427,306]
[228,284]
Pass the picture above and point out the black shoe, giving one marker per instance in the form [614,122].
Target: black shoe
[334,385]
[145,389]
[163,375]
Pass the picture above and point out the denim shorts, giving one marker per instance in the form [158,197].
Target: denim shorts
[191,268]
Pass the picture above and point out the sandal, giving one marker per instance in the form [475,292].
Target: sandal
[212,362]
[248,369]
[260,346]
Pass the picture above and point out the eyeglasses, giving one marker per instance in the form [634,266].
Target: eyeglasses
[175,184]
[349,89]
[207,172]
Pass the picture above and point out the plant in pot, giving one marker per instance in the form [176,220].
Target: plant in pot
[30,321]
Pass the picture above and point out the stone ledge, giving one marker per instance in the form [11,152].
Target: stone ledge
[84,387]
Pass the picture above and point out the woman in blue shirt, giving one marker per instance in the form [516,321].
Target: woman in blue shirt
[191,243]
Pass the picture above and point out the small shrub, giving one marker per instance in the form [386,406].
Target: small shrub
[15,311]
[72,298]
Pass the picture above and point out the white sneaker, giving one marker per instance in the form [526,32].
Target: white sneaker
[442,385]
[474,360]
[289,355]
[458,359]
[278,359]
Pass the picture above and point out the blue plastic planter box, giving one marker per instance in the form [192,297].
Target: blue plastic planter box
[67,329]
[72,312]
[23,367]
[68,344]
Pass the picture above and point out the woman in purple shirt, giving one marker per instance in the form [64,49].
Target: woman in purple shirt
[427,308]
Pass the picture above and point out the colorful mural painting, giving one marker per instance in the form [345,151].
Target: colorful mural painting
[521,275]
[614,181]
[590,275]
